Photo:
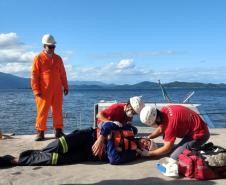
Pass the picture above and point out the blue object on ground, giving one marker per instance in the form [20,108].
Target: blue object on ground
[161,168]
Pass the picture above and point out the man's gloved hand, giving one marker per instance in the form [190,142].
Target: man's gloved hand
[143,153]
[118,123]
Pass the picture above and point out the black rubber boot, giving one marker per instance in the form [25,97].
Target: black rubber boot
[40,136]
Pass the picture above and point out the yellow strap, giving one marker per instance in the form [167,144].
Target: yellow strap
[64,144]
[54,158]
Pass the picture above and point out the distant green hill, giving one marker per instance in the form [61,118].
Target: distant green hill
[8,81]
[141,85]
[194,85]
[151,85]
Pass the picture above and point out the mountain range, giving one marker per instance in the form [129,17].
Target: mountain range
[9,81]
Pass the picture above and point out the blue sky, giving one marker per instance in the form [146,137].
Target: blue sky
[119,41]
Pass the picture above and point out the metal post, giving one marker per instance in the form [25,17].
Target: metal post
[80,120]
[225,121]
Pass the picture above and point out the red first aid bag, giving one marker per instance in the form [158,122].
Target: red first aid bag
[186,164]
[205,163]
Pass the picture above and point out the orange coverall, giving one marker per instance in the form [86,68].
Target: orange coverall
[48,78]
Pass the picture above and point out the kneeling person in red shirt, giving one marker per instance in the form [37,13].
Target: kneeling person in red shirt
[121,113]
[174,121]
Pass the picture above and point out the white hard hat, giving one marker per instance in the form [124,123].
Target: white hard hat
[148,115]
[137,103]
[48,39]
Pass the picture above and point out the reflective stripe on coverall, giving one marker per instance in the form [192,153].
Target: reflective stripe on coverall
[47,78]
[54,158]
[64,146]
[63,143]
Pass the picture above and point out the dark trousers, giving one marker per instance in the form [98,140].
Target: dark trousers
[188,142]
[77,149]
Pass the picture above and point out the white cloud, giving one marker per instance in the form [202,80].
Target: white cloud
[122,72]
[19,69]
[14,51]
[16,56]
[129,73]
[66,55]
[8,40]
[125,64]
[205,74]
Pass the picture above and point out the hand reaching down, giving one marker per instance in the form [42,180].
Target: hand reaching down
[143,153]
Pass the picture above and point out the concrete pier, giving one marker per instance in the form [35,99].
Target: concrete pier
[139,172]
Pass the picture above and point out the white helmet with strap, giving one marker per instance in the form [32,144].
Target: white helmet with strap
[48,39]
[137,103]
[148,115]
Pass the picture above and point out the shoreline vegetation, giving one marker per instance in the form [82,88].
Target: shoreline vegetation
[8,81]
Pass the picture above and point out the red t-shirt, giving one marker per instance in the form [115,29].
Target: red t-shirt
[179,121]
[116,112]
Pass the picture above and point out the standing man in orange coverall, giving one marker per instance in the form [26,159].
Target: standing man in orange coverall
[48,82]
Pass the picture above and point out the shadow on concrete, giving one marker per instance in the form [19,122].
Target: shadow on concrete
[136,161]
[214,134]
[49,138]
[150,181]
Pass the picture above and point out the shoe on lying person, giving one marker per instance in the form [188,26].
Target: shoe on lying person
[7,160]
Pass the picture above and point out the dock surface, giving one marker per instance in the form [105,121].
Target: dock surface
[140,172]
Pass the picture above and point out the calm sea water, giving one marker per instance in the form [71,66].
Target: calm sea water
[18,110]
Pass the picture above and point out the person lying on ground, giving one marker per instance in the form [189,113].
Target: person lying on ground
[120,147]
